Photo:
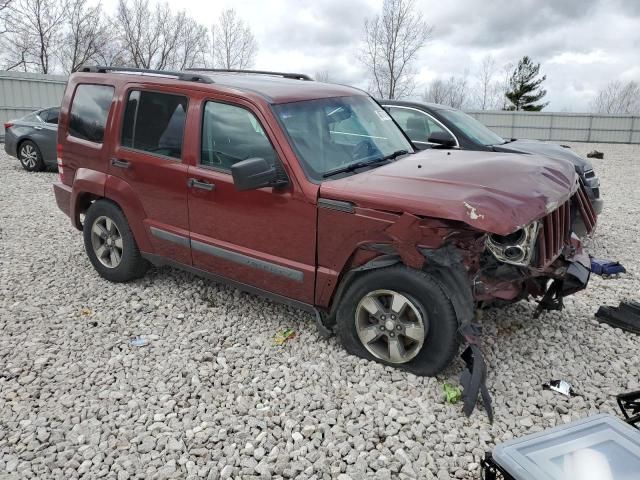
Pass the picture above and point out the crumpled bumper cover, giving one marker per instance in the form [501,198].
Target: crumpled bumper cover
[578,274]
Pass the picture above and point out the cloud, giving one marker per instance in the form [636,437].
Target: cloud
[581,44]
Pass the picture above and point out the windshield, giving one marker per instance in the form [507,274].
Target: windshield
[471,127]
[332,133]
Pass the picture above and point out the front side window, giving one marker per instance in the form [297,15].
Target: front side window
[231,134]
[416,125]
[333,133]
[154,123]
[89,112]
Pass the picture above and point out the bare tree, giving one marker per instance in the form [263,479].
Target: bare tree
[487,87]
[436,92]
[458,88]
[234,46]
[392,42]
[4,8]
[618,97]
[87,36]
[34,31]
[452,92]
[503,86]
[156,38]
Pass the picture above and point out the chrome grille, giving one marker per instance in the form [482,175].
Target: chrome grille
[554,234]
[555,229]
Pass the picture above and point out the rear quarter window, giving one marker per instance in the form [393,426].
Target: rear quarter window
[89,112]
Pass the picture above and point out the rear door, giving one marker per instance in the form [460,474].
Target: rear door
[150,158]
[49,131]
[264,238]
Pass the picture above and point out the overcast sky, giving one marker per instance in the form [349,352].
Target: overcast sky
[581,44]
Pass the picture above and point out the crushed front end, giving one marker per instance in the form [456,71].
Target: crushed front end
[542,259]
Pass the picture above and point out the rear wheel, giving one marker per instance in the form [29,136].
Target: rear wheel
[30,157]
[400,317]
[110,245]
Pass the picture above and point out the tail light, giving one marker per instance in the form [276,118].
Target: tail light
[60,164]
[8,125]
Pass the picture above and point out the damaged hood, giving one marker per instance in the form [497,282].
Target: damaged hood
[551,150]
[493,192]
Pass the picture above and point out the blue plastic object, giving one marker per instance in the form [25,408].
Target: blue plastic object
[601,266]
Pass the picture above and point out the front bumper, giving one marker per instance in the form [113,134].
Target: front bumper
[598,205]
[592,187]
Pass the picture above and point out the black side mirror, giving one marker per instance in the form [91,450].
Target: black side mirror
[442,138]
[254,173]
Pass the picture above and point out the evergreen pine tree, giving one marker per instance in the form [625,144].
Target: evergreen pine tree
[524,88]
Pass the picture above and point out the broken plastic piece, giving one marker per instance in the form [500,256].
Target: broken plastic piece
[560,386]
[323,329]
[138,341]
[595,154]
[629,403]
[473,378]
[626,316]
[552,299]
[601,266]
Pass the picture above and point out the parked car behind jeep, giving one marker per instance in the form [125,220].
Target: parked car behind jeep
[430,124]
[310,194]
[32,139]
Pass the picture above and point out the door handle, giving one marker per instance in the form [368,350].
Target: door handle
[194,183]
[116,162]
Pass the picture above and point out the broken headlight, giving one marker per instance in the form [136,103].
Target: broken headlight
[516,248]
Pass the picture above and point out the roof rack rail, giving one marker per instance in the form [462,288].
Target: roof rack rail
[294,76]
[186,76]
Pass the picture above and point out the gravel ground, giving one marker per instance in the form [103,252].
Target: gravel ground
[211,396]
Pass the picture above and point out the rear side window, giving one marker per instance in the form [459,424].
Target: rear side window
[51,115]
[89,112]
[231,134]
[32,117]
[154,123]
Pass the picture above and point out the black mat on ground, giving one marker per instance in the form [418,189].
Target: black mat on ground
[626,316]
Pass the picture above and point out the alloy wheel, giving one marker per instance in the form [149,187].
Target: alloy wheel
[106,241]
[390,326]
[28,156]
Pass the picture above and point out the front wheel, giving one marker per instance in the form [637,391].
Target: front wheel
[110,245]
[400,317]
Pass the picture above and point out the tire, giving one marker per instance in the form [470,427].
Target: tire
[30,157]
[106,226]
[426,299]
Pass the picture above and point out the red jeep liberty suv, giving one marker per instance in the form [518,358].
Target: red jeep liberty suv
[310,193]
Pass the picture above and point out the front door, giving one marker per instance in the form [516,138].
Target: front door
[263,238]
[149,158]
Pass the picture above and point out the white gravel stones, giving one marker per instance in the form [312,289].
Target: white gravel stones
[211,397]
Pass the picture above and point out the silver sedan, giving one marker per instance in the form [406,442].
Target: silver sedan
[32,139]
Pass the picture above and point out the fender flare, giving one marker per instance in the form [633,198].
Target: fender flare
[85,181]
[103,186]
[445,264]
[121,192]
